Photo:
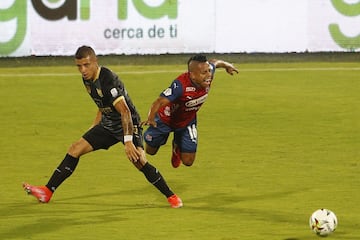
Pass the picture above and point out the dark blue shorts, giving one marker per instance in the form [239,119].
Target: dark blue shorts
[186,138]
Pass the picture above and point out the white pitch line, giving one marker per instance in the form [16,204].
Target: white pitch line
[78,74]
[179,71]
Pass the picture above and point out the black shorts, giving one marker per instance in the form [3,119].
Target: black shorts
[101,138]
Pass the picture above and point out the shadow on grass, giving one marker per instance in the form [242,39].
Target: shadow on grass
[66,213]
[227,204]
[30,219]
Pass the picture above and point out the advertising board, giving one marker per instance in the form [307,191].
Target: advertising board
[58,27]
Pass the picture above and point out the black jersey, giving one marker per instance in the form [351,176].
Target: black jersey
[106,89]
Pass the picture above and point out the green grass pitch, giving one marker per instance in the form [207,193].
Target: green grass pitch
[276,142]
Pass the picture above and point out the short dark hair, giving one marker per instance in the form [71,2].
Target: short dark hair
[198,58]
[84,52]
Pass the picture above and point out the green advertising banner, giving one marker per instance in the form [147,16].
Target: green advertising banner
[58,27]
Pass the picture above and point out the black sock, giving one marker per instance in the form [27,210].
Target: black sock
[63,171]
[155,178]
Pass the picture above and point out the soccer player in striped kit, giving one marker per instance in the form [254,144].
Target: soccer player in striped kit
[176,108]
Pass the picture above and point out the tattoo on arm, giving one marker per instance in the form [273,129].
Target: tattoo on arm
[126,120]
[127,123]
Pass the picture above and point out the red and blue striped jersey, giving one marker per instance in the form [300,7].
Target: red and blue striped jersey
[185,100]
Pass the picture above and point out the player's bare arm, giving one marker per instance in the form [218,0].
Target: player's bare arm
[230,69]
[131,151]
[159,102]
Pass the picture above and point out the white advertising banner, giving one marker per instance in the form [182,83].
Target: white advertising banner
[58,27]
[43,27]
[144,29]
[262,26]
[334,25]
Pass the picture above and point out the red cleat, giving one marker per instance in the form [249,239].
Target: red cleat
[175,201]
[42,193]
[175,158]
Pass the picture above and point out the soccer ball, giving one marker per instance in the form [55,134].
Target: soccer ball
[323,222]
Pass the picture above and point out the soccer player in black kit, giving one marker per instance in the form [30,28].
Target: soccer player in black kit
[117,120]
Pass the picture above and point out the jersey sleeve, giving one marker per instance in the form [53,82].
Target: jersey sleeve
[174,91]
[213,68]
[113,87]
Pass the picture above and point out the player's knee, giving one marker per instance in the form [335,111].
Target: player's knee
[188,160]
[77,149]
[188,164]
[151,150]
[73,150]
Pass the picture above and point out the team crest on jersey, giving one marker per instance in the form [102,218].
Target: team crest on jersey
[190,89]
[99,92]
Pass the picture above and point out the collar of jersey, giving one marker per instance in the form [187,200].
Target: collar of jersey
[97,74]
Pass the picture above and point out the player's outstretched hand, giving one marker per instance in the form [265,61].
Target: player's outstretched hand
[230,69]
[148,123]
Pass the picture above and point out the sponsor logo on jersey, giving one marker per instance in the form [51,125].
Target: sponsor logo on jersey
[192,109]
[105,110]
[190,89]
[196,102]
